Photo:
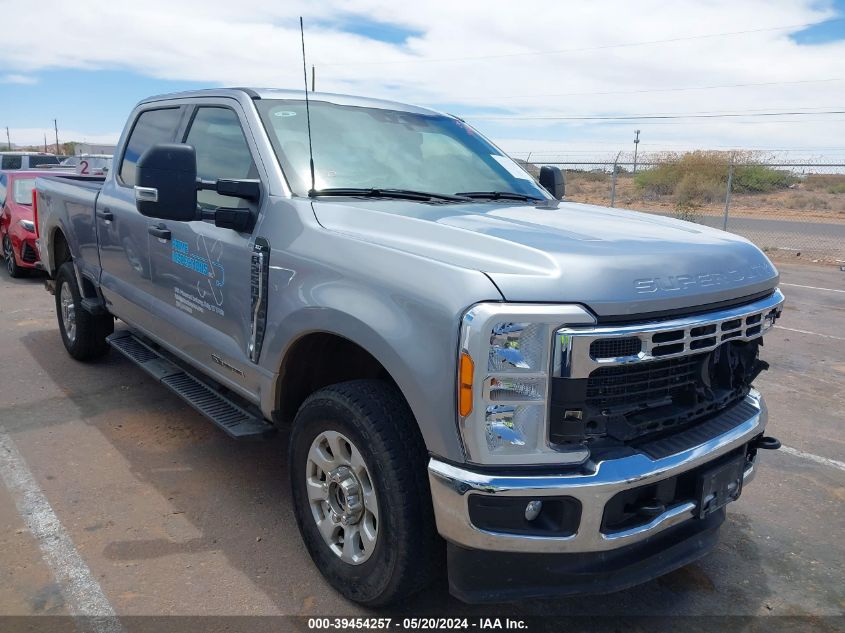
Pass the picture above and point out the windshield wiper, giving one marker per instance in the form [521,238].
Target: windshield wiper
[498,195]
[376,192]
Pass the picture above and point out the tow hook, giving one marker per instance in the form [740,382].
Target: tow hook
[766,443]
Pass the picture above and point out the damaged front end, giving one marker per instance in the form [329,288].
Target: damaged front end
[618,385]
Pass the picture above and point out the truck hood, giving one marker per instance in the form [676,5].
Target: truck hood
[617,262]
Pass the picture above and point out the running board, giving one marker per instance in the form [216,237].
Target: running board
[233,419]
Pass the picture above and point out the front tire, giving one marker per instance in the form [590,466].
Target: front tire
[83,334]
[360,492]
[12,267]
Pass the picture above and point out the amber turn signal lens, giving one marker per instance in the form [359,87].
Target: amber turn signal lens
[465,372]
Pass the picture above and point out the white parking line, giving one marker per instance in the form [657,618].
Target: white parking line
[789,329]
[814,458]
[82,593]
[813,288]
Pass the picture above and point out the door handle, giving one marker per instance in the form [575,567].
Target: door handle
[106,215]
[160,231]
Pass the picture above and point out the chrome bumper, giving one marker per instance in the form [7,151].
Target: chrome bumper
[593,485]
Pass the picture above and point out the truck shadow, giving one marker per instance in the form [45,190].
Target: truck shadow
[233,498]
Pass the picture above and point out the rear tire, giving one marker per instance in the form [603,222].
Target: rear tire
[399,551]
[83,334]
[12,267]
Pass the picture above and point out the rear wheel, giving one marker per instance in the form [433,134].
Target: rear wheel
[11,263]
[361,494]
[83,334]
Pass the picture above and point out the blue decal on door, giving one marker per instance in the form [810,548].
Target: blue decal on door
[205,262]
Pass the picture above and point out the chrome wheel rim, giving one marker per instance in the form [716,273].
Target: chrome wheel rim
[68,313]
[341,497]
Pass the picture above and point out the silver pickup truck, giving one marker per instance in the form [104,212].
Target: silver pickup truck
[545,398]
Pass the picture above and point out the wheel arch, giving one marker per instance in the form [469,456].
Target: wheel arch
[58,250]
[310,363]
[398,352]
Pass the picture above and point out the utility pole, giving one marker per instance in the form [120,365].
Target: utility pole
[45,142]
[636,143]
[313,79]
[56,128]
[8,139]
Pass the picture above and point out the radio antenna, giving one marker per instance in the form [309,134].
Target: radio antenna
[313,189]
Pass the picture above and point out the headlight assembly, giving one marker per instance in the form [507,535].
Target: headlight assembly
[505,361]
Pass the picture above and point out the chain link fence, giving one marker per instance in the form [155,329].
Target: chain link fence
[790,210]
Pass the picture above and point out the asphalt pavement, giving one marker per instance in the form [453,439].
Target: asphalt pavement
[118,496]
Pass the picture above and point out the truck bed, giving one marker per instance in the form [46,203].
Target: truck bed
[65,201]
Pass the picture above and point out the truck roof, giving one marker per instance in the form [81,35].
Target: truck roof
[299,95]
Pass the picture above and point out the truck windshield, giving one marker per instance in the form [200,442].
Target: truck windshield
[373,148]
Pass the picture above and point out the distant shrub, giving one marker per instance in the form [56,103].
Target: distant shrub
[658,181]
[587,176]
[702,177]
[761,179]
[840,188]
[695,188]
[700,171]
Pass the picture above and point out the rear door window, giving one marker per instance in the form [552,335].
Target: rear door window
[151,127]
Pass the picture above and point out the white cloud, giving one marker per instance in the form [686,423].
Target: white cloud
[18,79]
[254,42]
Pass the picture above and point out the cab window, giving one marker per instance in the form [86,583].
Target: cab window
[151,127]
[222,152]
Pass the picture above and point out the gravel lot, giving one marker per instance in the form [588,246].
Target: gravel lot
[170,517]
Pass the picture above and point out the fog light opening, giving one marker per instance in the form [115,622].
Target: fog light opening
[533,509]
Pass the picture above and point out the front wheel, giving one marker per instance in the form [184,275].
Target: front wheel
[12,267]
[83,334]
[360,492]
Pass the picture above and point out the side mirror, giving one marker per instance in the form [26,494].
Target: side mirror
[166,177]
[551,178]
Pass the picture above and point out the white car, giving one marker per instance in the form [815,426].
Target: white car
[27,160]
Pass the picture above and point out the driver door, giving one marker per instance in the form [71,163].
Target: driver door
[201,272]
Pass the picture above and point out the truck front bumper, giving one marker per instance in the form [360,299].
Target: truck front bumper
[672,535]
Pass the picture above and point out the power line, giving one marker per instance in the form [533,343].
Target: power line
[678,89]
[581,49]
[669,145]
[711,121]
[647,117]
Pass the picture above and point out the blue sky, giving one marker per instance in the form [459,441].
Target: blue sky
[371,29]
[479,60]
[824,32]
[95,100]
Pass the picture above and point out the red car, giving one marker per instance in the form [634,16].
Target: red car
[17,225]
